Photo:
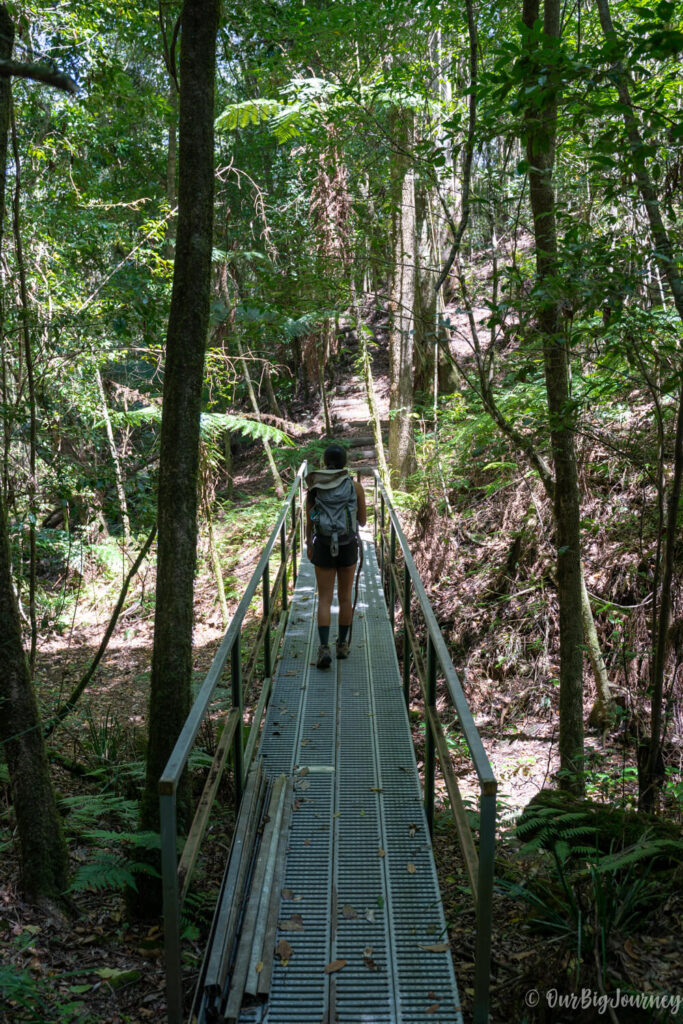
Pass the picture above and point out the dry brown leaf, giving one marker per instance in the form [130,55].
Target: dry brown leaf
[259,967]
[335,965]
[294,923]
[436,947]
[433,1008]
[370,963]
[381,852]
[283,950]
[411,869]
[349,912]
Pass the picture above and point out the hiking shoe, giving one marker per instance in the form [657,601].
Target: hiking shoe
[342,648]
[324,656]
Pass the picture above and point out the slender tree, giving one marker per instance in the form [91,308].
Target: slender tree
[44,859]
[402,304]
[180,429]
[541,135]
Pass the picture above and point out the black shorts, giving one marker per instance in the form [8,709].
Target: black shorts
[348,554]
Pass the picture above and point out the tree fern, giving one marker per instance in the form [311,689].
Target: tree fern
[212,424]
[241,115]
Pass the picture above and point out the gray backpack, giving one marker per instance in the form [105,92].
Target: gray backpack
[334,508]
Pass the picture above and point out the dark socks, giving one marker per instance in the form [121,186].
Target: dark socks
[343,633]
[324,634]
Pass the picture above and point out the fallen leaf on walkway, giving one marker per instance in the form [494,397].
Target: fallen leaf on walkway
[303,786]
[437,947]
[348,912]
[412,829]
[433,1008]
[335,965]
[376,789]
[259,967]
[370,963]
[370,915]
[288,894]
[381,852]
[283,950]
[411,869]
[294,923]
[317,725]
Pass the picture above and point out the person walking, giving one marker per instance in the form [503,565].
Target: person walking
[335,507]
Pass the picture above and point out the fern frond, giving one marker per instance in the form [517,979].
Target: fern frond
[241,115]
[86,809]
[214,423]
[141,840]
[108,871]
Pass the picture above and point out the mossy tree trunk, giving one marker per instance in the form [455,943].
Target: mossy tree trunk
[43,853]
[186,338]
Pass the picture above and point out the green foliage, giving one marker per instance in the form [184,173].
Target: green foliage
[213,424]
[239,115]
[115,869]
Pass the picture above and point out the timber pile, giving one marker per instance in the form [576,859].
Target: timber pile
[239,960]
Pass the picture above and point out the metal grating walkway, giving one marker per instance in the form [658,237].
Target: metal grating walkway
[359,868]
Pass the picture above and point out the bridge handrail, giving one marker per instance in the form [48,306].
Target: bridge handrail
[480,867]
[169,781]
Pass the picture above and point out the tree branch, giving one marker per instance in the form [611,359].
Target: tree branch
[38,73]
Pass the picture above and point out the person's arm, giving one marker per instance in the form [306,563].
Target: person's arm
[361,509]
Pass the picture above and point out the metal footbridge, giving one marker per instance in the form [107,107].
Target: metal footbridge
[329,909]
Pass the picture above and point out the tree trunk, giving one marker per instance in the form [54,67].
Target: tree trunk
[277,479]
[188,325]
[402,302]
[541,131]
[118,472]
[43,853]
[30,378]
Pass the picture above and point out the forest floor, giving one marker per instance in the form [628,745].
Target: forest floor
[97,966]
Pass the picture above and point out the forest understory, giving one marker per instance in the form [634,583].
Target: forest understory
[487,564]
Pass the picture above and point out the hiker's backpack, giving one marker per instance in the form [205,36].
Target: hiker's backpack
[334,508]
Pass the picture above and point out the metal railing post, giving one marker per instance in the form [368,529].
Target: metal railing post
[236,673]
[267,667]
[430,746]
[283,557]
[482,954]
[381,536]
[392,565]
[407,594]
[171,898]
[295,542]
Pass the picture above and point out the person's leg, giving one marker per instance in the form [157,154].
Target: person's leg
[345,577]
[325,580]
